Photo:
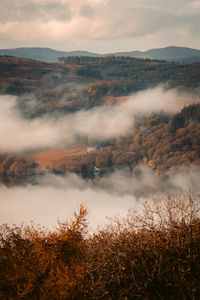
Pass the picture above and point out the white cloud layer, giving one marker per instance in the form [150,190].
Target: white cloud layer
[103,122]
[58,197]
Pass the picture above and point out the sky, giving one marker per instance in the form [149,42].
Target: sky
[100,26]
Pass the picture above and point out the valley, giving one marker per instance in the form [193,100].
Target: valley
[99,150]
[162,140]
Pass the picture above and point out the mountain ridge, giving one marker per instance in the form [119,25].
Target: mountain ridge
[171,53]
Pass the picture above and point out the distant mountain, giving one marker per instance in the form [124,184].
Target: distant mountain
[178,54]
[168,53]
[44,54]
[172,53]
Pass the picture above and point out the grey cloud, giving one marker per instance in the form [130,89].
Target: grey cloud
[86,11]
[106,26]
[26,10]
[140,19]
[194,25]
[144,18]
[56,10]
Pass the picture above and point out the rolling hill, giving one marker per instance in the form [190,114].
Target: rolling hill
[44,54]
[172,53]
[177,54]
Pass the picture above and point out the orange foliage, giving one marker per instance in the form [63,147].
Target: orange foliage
[153,253]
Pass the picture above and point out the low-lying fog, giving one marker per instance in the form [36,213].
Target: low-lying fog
[58,197]
[101,122]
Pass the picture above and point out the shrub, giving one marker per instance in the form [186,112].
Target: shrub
[153,253]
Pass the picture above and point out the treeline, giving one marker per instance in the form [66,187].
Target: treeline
[87,60]
[116,83]
[121,87]
[124,75]
[149,255]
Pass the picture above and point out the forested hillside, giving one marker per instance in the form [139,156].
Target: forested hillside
[160,141]
[124,75]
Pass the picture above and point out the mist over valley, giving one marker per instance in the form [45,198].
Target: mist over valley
[109,131]
[99,150]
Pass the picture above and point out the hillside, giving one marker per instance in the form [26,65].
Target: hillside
[48,83]
[21,75]
[162,142]
[43,54]
[82,83]
[171,53]
[55,90]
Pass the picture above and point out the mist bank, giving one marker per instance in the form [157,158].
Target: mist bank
[57,197]
[99,123]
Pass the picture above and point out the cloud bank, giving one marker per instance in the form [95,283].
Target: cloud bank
[58,197]
[100,123]
[17,134]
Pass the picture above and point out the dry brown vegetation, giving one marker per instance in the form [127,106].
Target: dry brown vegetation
[153,253]
[55,158]
[24,75]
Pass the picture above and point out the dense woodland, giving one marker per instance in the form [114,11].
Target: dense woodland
[84,81]
[124,75]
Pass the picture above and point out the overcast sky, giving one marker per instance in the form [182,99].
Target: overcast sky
[99,25]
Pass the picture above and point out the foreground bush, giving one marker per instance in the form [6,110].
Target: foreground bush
[37,264]
[154,253]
